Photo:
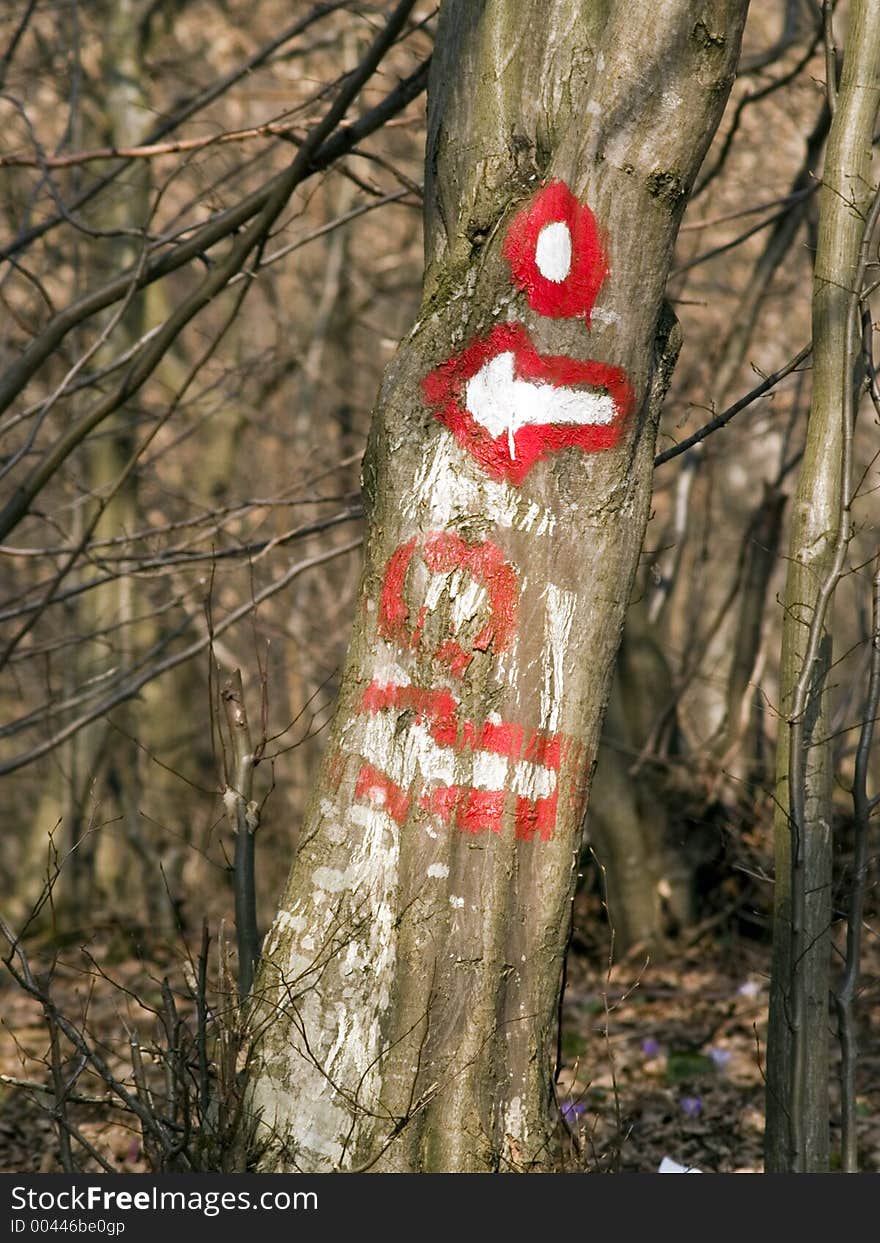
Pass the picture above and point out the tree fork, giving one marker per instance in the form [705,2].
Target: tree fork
[405,1004]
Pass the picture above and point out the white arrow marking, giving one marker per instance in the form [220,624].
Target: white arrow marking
[502,403]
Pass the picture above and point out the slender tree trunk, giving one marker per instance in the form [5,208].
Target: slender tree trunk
[103,765]
[405,1006]
[690,596]
[126,116]
[797,1054]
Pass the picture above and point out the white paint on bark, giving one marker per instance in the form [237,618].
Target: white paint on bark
[467,597]
[444,491]
[353,935]
[514,1122]
[490,771]
[532,781]
[502,402]
[558,618]
[553,251]
[386,668]
[331,879]
[403,757]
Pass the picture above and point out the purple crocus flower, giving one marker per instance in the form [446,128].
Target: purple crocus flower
[720,1057]
[691,1106]
[650,1047]
[572,1110]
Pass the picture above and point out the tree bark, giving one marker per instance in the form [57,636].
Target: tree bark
[797,1137]
[406,1002]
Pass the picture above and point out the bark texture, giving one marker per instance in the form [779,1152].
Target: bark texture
[797,1136]
[406,1003]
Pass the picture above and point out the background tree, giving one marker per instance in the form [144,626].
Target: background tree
[821,534]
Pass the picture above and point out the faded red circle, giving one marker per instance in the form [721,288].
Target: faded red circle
[443,551]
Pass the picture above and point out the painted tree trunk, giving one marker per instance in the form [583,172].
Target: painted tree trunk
[797,1136]
[406,1004]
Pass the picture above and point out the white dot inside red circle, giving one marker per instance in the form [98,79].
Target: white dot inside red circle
[553,251]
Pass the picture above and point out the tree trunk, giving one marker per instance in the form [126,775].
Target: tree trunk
[407,998]
[797,1137]
[104,763]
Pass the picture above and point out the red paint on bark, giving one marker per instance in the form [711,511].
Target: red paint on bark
[465,807]
[469,810]
[536,817]
[393,609]
[375,787]
[442,553]
[576,293]
[438,709]
[512,455]
[531,755]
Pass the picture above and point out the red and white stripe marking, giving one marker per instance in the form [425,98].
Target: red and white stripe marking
[466,774]
[418,749]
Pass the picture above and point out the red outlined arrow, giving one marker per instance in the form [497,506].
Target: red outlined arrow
[510,406]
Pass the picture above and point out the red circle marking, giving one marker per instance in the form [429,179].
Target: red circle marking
[443,552]
[576,293]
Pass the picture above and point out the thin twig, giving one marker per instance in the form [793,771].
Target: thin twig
[722,419]
[244,819]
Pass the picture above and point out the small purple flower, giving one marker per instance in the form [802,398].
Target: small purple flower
[720,1057]
[750,988]
[572,1110]
[650,1047]
[691,1106]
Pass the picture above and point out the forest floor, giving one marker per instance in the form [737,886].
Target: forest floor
[659,1058]
[666,1058]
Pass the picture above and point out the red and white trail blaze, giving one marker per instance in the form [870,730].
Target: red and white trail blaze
[510,406]
[511,770]
[419,750]
[442,553]
[556,254]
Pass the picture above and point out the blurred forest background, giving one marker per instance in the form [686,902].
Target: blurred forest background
[191,468]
